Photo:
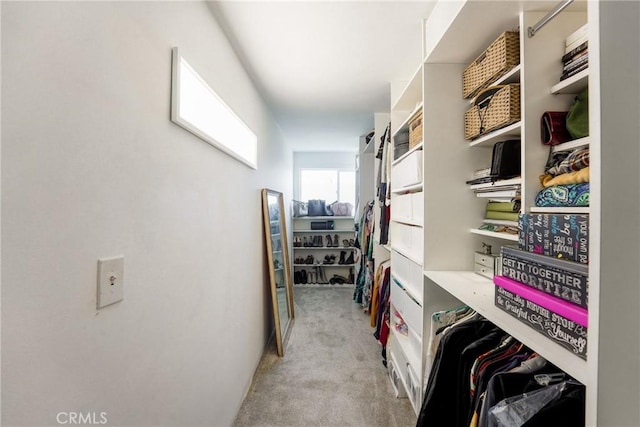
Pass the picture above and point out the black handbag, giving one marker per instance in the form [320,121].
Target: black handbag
[505,159]
[317,207]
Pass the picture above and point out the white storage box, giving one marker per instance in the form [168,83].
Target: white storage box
[417,207]
[408,206]
[397,366]
[414,389]
[408,171]
[407,239]
[401,208]
[409,273]
[409,309]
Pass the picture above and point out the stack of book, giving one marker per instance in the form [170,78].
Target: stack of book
[499,191]
[576,53]
[544,282]
[501,216]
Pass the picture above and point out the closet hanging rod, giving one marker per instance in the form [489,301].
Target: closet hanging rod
[531,31]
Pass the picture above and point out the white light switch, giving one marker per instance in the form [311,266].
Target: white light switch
[110,281]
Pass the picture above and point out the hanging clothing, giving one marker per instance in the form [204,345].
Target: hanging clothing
[477,366]
[361,293]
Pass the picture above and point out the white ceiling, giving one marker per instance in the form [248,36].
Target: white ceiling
[324,67]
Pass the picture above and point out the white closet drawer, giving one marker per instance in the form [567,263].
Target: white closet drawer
[409,309]
[414,389]
[408,207]
[407,239]
[417,207]
[397,365]
[401,206]
[412,315]
[409,273]
[408,171]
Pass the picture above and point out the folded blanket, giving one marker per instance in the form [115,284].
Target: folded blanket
[559,163]
[513,206]
[564,195]
[511,216]
[576,177]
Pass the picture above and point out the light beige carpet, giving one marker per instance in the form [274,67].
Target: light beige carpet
[332,372]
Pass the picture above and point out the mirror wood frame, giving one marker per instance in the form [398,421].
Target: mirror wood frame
[282,330]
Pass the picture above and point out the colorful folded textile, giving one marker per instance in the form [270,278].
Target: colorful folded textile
[558,164]
[564,196]
[576,177]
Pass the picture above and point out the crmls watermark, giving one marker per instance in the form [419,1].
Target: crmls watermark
[82,418]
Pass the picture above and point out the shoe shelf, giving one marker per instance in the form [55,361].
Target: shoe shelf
[322,231]
[322,285]
[326,248]
[324,265]
[323,217]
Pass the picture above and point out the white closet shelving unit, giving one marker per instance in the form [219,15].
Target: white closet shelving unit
[454,35]
[405,349]
[344,229]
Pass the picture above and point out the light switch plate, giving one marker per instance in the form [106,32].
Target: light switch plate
[110,281]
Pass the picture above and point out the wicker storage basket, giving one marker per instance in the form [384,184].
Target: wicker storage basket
[415,129]
[502,109]
[501,56]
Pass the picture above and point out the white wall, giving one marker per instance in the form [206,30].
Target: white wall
[92,167]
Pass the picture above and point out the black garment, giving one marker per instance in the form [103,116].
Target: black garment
[507,384]
[566,411]
[467,358]
[440,402]
[497,363]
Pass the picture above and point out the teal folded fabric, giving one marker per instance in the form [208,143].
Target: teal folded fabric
[571,195]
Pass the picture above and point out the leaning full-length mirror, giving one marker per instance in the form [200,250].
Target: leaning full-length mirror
[279,267]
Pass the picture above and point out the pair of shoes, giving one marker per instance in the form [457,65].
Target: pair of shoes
[322,279]
[329,241]
[341,280]
[350,259]
[332,243]
[300,277]
[309,260]
[329,259]
[348,243]
[344,259]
